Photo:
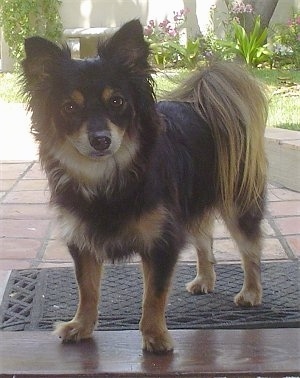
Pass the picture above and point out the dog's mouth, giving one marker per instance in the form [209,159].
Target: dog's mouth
[88,151]
[98,154]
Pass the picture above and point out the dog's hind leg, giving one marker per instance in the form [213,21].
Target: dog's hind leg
[201,233]
[246,231]
[88,275]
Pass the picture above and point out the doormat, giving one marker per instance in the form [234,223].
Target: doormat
[37,298]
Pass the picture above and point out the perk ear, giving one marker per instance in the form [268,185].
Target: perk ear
[42,56]
[127,47]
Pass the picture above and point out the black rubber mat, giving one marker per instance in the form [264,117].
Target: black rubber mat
[35,299]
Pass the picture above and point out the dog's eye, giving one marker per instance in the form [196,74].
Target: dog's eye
[70,107]
[116,101]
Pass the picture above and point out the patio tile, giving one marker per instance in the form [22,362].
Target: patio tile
[188,254]
[284,208]
[35,173]
[14,264]
[225,250]
[273,250]
[279,194]
[54,265]
[31,185]
[288,226]
[29,196]
[54,228]
[6,185]
[294,244]
[25,211]
[31,229]
[12,171]
[18,248]
[57,250]
[4,277]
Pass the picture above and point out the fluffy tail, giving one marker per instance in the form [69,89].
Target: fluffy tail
[235,107]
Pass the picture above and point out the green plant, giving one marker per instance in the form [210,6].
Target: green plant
[251,47]
[188,53]
[286,43]
[164,38]
[20,19]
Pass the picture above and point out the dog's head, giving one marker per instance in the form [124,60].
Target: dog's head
[93,106]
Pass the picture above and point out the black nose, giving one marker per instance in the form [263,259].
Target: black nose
[100,140]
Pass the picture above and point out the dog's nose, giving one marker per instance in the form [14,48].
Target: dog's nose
[100,140]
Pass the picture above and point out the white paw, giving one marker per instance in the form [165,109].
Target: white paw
[73,331]
[202,284]
[248,298]
[158,343]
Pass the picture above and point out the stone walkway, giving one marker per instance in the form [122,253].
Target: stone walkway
[28,236]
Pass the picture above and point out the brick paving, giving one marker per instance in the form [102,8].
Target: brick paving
[28,235]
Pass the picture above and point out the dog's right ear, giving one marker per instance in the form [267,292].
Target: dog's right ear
[42,57]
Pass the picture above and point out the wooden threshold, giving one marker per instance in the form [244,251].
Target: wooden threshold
[198,353]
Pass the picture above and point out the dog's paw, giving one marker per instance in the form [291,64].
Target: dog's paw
[72,331]
[248,298]
[160,343]
[201,284]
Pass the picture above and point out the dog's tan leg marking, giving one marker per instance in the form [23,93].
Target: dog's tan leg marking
[156,337]
[204,282]
[88,274]
[250,250]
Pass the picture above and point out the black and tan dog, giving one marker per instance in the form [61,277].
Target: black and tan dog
[130,175]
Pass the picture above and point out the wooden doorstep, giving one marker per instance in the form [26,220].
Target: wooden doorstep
[206,353]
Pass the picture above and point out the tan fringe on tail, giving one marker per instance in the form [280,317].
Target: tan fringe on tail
[235,107]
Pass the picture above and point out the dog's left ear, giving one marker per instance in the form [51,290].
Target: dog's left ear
[127,47]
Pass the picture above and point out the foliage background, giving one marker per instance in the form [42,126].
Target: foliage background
[20,19]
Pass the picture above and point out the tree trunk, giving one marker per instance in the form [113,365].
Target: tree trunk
[264,8]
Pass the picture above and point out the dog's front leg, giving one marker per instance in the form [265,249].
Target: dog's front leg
[88,275]
[156,337]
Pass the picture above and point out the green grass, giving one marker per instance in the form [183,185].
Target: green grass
[284,112]
[283,88]
[10,90]
[284,97]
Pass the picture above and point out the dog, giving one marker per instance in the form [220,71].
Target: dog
[128,174]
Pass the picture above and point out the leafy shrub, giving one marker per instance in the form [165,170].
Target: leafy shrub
[168,47]
[286,42]
[164,38]
[188,54]
[24,18]
[251,47]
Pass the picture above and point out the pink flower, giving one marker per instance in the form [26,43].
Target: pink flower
[148,31]
[248,8]
[172,32]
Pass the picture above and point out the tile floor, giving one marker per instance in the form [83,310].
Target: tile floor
[28,236]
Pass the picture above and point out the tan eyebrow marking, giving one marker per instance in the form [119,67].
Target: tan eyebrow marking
[107,93]
[78,97]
